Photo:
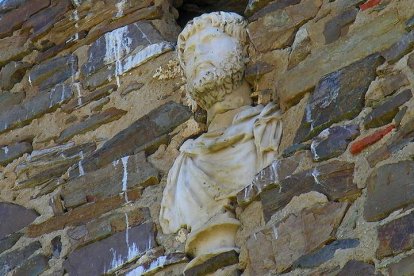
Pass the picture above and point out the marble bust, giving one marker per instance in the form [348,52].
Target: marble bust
[241,139]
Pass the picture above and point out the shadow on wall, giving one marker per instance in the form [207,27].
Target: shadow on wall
[188,9]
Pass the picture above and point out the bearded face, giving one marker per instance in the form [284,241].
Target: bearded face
[214,65]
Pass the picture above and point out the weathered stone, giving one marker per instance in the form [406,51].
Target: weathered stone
[109,254]
[12,73]
[8,5]
[33,266]
[301,48]
[92,96]
[371,139]
[338,96]
[15,18]
[105,226]
[392,83]
[324,254]
[400,48]
[56,246]
[45,165]
[14,48]
[158,263]
[410,24]
[410,61]
[276,28]
[333,141]
[295,148]
[274,173]
[12,259]
[11,152]
[403,267]
[397,142]
[8,242]
[334,179]
[369,4]
[388,191]
[54,71]
[300,234]
[400,115]
[20,115]
[8,99]
[396,236]
[254,5]
[115,45]
[357,268]
[80,215]
[140,135]
[212,264]
[44,20]
[91,123]
[16,216]
[122,175]
[384,113]
[271,7]
[338,25]
[254,71]
[369,38]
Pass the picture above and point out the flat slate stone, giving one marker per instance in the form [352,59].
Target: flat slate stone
[338,96]
[358,268]
[91,123]
[14,48]
[403,267]
[81,215]
[263,7]
[33,266]
[334,179]
[8,241]
[396,236]
[11,152]
[400,48]
[21,115]
[14,218]
[8,99]
[120,176]
[156,264]
[213,264]
[115,45]
[109,254]
[12,73]
[140,135]
[334,27]
[332,142]
[388,191]
[324,254]
[398,141]
[8,5]
[12,259]
[53,71]
[385,112]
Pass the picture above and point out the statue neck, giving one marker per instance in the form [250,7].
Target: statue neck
[237,98]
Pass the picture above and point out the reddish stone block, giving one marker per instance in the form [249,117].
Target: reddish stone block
[369,4]
[363,143]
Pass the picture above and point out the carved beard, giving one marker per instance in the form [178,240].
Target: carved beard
[213,85]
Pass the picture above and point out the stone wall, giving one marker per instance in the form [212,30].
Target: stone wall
[93,111]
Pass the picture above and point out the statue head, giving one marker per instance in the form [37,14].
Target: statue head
[211,50]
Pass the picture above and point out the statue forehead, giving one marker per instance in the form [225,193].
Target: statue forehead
[206,31]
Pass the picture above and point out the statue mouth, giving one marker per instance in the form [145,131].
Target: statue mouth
[204,65]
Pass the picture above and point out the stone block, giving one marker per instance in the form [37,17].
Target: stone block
[14,48]
[276,27]
[212,264]
[325,254]
[14,218]
[398,141]
[373,36]
[369,140]
[10,152]
[120,176]
[333,179]
[8,241]
[54,71]
[108,255]
[400,48]
[396,236]
[91,123]
[21,115]
[385,112]
[338,96]
[33,266]
[156,264]
[332,142]
[334,28]
[388,191]
[403,267]
[13,259]
[140,135]
[8,99]
[12,73]
[14,19]
[81,214]
[358,268]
